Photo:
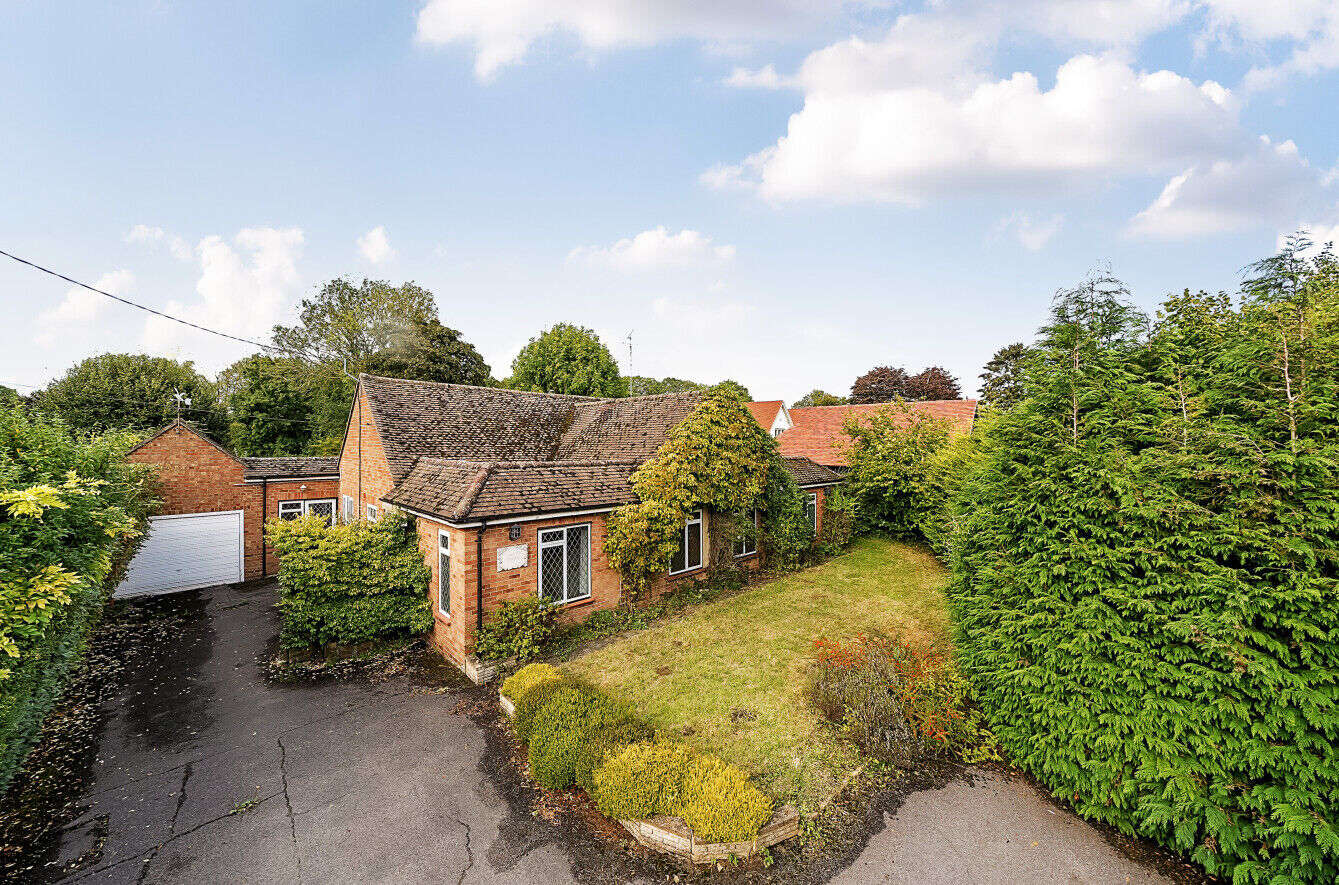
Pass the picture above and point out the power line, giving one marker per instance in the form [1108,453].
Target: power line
[130,303]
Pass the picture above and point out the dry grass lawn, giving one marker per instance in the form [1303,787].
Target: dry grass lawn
[728,677]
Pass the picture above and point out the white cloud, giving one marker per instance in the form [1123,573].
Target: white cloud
[1100,22]
[1320,235]
[156,236]
[655,249]
[1031,233]
[374,246]
[502,32]
[1272,184]
[1308,30]
[765,77]
[244,289]
[80,306]
[874,129]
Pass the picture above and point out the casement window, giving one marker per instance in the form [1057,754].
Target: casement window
[747,545]
[322,507]
[372,513]
[811,510]
[350,511]
[689,554]
[443,572]
[777,431]
[564,563]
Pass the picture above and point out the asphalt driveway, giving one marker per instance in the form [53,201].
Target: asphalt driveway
[207,772]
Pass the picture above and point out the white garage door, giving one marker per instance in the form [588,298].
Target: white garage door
[186,551]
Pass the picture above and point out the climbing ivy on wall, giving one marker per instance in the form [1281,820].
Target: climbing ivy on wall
[719,458]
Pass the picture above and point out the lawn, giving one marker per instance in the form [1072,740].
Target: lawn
[728,677]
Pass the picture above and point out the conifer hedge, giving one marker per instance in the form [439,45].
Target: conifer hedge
[1145,581]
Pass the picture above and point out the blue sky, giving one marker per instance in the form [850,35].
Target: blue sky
[786,193]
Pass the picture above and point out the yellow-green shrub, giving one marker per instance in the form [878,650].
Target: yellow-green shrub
[560,729]
[643,780]
[526,678]
[720,804]
[601,742]
[532,701]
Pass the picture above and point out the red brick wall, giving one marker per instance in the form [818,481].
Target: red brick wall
[368,479]
[292,490]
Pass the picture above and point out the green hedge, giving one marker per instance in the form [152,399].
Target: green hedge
[1146,573]
[350,583]
[71,515]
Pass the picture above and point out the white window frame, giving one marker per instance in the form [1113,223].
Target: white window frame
[444,574]
[542,545]
[348,507]
[371,513]
[811,504]
[302,507]
[694,518]
[744,543]
[777,431]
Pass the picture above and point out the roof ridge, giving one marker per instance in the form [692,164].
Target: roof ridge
[512,465]
[472,493]
[908,402]
[567,396]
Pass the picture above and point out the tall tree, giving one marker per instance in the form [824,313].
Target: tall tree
[931,384]
[131,391]
[348,322]
[567,359]
[269,402]
[818,397]
[1002,381]
[428,351]
[641,385]
[881,384]
[733,389]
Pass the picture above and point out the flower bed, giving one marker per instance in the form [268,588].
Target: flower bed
[668,796]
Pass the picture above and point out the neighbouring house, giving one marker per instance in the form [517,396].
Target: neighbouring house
[511,490]
[816,432]
[211,527]
[772,415]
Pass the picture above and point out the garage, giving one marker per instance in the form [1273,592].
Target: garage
[185,551]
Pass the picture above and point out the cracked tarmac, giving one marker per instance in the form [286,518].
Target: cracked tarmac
[380,782]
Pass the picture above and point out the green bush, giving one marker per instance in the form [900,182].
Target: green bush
[719,803]
[841,512]
[518,629]
[349,583]
[532,701]
[605,740]
[890,455]
[559,744]
[71,516]
[1144,585]
[643,780]
[518,684]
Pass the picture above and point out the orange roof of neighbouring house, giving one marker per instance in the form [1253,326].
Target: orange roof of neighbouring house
[817,431]
[765,412]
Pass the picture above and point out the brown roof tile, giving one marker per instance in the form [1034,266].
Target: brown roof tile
[765,412]
[278,468]
[807,472]
[817,431]
[461,490]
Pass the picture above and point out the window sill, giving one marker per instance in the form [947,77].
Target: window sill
[746,555]
[575,603]
[441,618]
[687,571]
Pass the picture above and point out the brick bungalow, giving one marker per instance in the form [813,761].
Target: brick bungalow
[211,527]
[512,489]
[816,432]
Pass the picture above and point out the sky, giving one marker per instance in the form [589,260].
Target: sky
[785,193]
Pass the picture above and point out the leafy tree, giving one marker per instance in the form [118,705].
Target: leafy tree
[1144,563]
[890,457]
[933,383]
[428,351]
[130,391]
[1002,381]
[640,385]
[818,397]
[348,322]
[269,406]
[732,388]
[881,384]
[567,359]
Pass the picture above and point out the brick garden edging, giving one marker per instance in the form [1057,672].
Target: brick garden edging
[670,835]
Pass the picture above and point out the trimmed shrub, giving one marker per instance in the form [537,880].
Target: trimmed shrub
[519,683]
[71,516]
[605,740]
[349,583]
[643,780]
[720,804]
[518,629]
[558,734]
[533,701]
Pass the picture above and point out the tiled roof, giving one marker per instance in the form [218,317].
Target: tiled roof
[460,490]
[807,472]
[278,468]
[765,412]
[424,419]
[817,431]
